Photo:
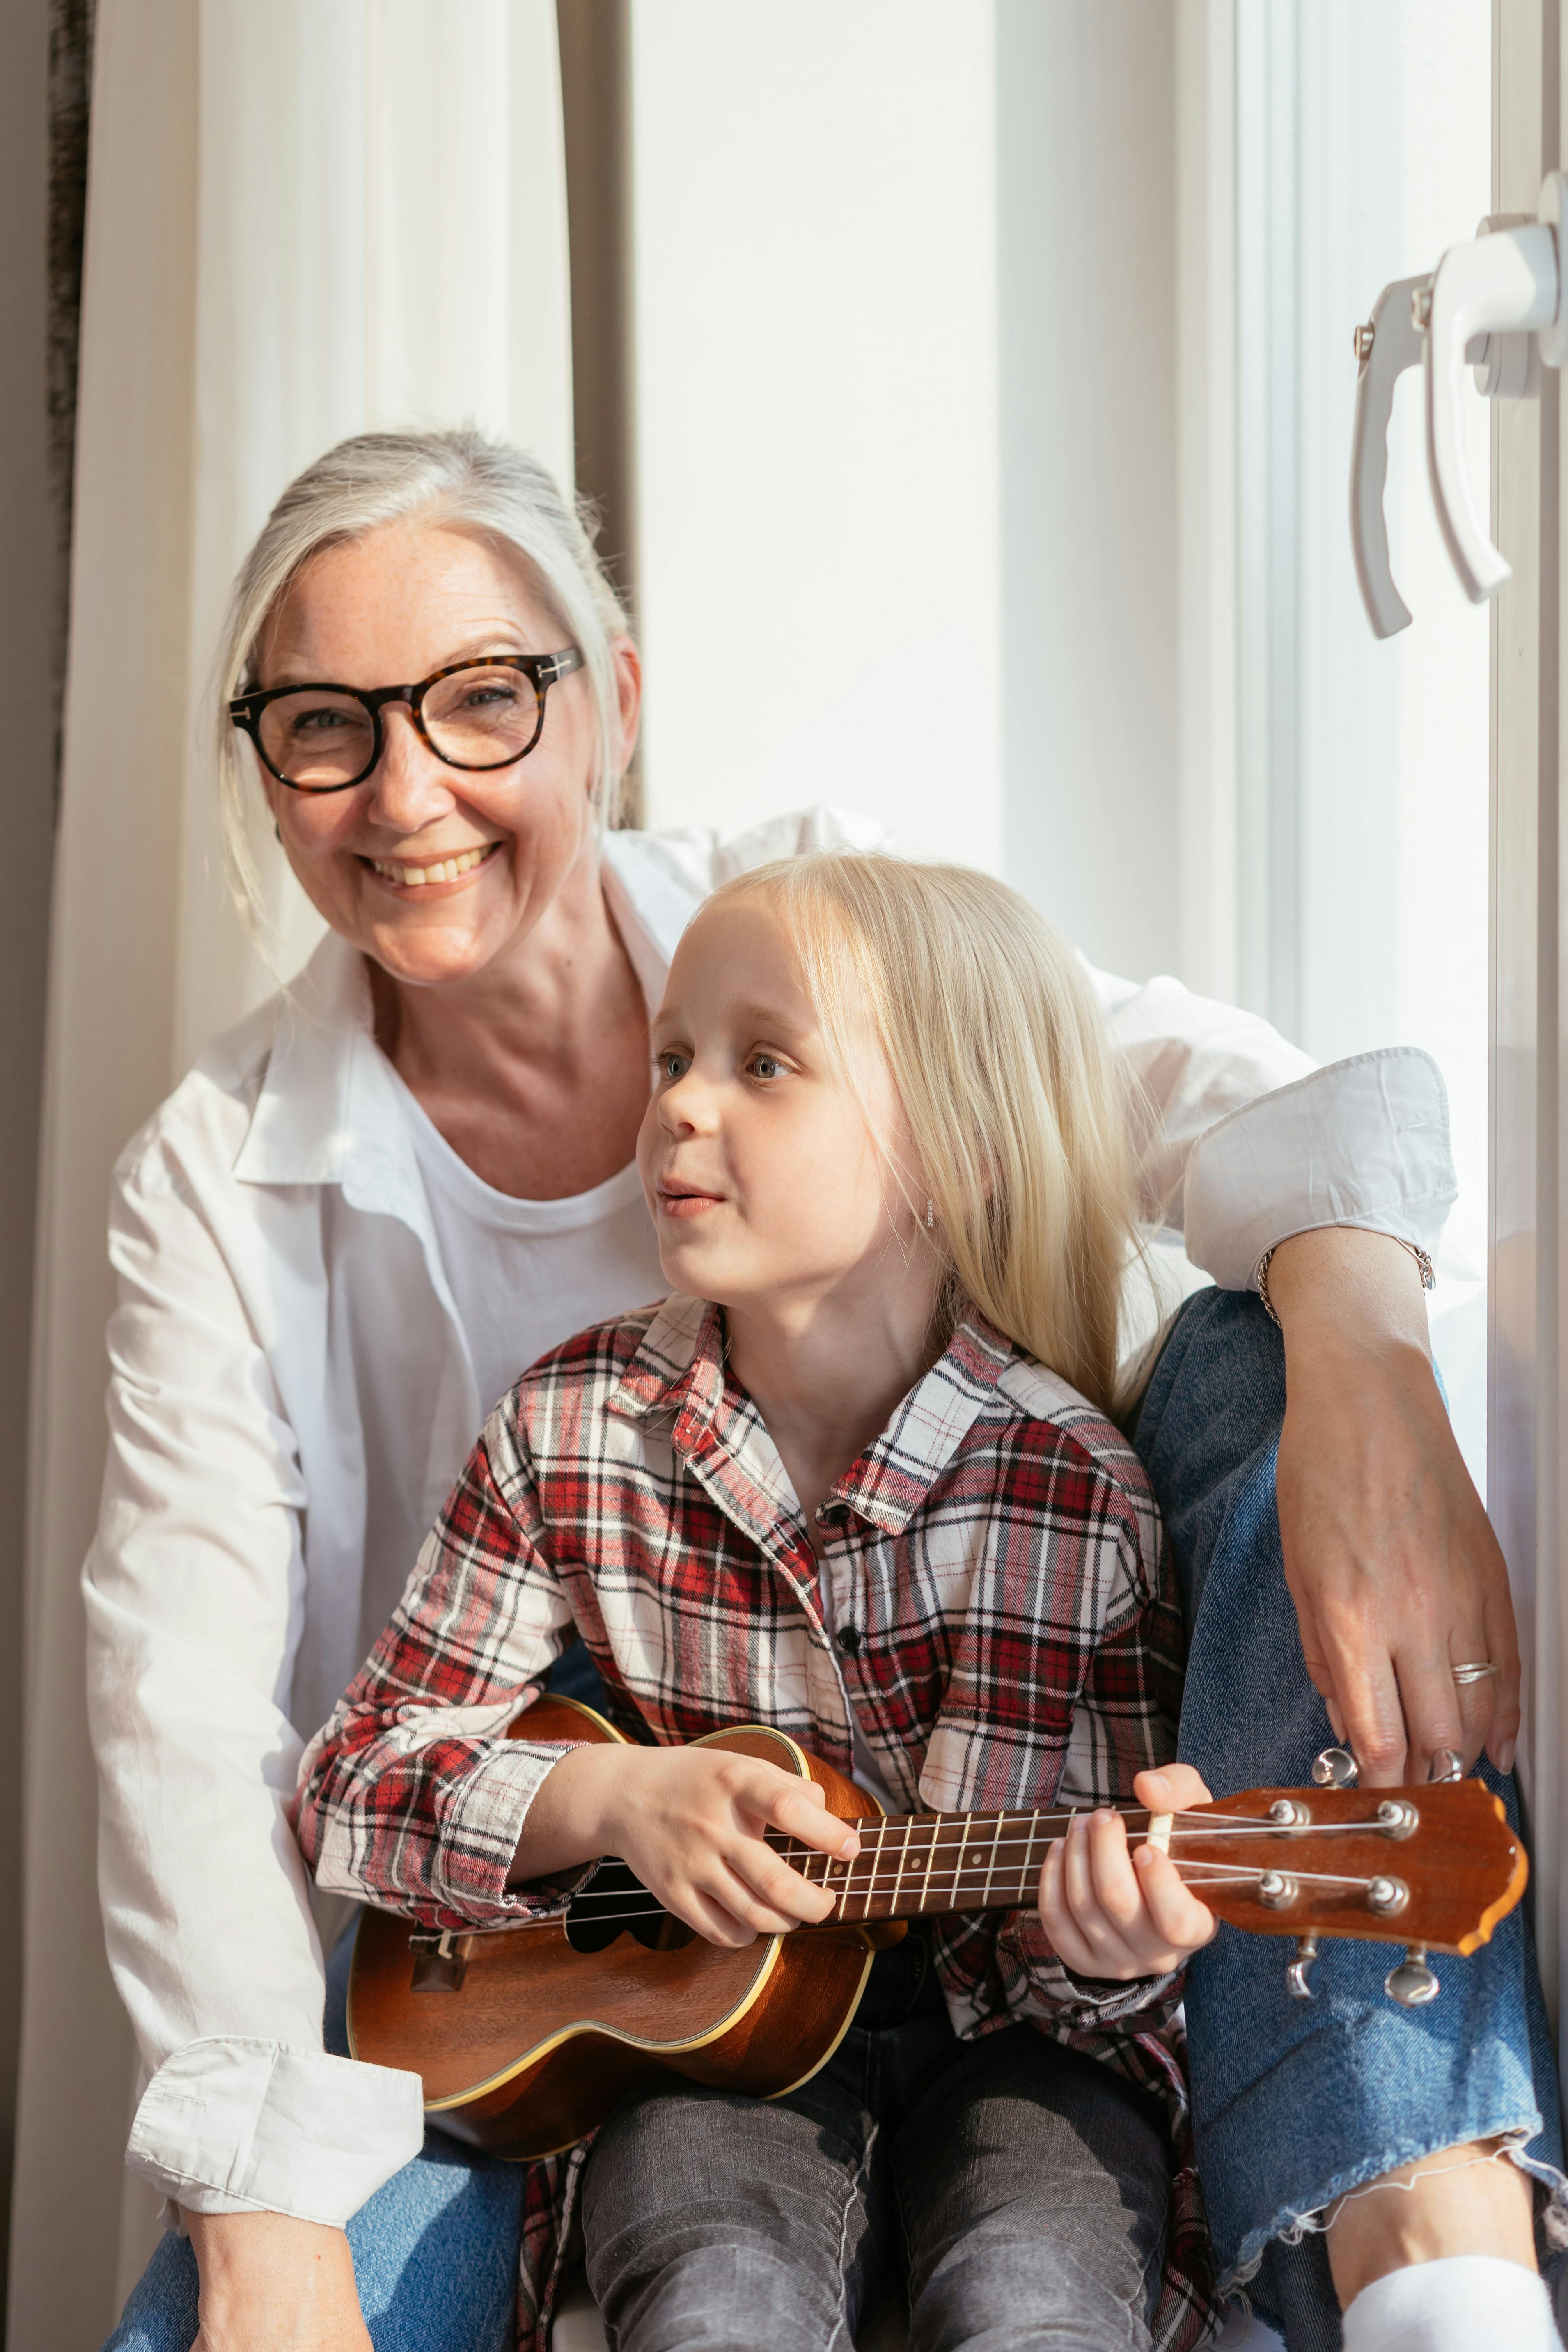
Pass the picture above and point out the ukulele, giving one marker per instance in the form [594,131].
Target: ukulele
[527,2035]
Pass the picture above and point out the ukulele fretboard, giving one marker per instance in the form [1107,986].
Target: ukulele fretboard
[914,1863]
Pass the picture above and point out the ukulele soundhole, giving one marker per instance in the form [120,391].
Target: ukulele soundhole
[618,1903]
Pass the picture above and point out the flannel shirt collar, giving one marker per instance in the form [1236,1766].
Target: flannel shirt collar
[679,1372]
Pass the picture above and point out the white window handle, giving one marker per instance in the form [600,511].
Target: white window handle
[1502,284]
[1389,343]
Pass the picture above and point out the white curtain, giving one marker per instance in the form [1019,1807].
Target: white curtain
[303,219]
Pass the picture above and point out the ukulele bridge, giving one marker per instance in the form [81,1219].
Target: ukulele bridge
[440,1959]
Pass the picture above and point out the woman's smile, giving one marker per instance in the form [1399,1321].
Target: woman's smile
[432,876]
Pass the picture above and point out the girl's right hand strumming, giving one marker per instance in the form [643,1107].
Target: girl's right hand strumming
[690,1823]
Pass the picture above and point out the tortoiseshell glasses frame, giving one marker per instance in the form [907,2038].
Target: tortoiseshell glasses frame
[247,712]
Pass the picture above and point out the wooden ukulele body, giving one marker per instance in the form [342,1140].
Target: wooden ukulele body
[536,2039]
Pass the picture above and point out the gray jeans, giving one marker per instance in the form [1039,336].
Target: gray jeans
[1025,2186]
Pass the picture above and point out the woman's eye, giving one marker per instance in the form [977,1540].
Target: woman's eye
[327,721]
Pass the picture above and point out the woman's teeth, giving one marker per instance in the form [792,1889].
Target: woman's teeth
[446,870]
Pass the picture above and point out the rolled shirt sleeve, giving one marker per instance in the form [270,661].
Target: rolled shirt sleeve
[232,2125]
[1242,1140]
[1362,1142]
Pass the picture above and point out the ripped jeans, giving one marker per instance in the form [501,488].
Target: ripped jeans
[1296,2102]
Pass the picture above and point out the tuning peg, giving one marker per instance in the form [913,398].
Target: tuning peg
[1336,1767]
[1297,1973]
[1412,1984]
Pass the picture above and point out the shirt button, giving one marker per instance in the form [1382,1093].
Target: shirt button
[849,1640]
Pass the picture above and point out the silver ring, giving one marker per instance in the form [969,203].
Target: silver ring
[1474,1669]
[1447,1765]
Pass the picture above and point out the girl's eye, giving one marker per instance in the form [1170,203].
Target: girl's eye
[767,1066]
[672,1065]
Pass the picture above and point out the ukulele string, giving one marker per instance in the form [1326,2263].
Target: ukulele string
[973,1853]
[1220,1874]
[958,1838]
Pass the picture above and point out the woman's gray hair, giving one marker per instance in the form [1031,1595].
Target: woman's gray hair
[453,477]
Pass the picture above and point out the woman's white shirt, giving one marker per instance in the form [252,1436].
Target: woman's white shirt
[306,1342]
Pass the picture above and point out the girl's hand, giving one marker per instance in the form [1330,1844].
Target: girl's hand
[1111,1911]
[690,1823]
[272,2283]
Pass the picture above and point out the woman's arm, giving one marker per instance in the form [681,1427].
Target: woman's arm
[270,2283]
[194,1595]
[1390,1558]
[1392,1566]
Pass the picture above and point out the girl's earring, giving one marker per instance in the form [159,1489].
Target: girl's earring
[931,1214]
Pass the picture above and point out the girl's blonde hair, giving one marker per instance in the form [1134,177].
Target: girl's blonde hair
[456,477]
[999,1053]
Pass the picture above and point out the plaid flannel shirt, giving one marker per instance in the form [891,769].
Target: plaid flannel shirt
[996,1551]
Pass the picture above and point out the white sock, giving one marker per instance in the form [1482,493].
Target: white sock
[1456,2304]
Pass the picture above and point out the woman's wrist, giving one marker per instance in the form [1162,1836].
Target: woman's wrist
[273,2278]
[1343,1286]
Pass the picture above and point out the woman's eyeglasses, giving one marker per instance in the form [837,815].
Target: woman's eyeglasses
[476,715]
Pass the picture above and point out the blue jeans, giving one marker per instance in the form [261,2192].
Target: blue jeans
[1296,2102]
[435,2250]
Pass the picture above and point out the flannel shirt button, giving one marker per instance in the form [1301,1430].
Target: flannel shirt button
[849,1640]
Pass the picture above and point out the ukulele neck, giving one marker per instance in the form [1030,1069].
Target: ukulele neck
[915,1865]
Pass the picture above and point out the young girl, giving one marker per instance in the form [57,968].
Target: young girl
[855,1478]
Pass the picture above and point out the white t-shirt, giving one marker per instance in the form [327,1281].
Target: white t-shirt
[525,1275]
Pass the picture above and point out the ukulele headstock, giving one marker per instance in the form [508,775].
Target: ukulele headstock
[1435,1867]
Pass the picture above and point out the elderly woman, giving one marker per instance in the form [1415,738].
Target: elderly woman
[372,1204]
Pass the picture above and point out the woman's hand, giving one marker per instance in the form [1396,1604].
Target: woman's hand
[689,1822]
[272,2283]
[1114,1911]
[1391,1560]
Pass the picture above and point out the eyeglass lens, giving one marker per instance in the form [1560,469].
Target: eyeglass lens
[476,718]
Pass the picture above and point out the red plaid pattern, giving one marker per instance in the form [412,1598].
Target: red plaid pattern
[997,1551]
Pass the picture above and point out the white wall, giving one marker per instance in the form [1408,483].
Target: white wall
[906,362]
[1086,307]
[816,378]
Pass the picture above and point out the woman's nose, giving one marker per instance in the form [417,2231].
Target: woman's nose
[409,785]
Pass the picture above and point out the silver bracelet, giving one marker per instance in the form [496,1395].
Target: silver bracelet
[1260,1279]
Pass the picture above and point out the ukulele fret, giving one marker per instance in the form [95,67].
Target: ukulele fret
[875,1865]
[903,1861]
[958,1865]
[933,1832]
